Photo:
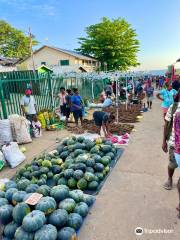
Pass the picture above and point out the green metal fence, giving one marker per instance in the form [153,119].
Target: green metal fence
[45,88]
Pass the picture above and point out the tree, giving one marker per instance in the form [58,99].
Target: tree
[112,42]
[13,42]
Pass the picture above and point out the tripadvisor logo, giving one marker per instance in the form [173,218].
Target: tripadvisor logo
[139,231]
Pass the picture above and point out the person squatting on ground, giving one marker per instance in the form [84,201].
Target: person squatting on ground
[169,141]
[102,119]
[77,106]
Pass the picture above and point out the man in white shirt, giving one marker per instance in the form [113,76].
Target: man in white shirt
[28,105]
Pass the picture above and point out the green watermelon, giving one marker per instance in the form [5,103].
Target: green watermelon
[75,221]
[78,174]
[33,221]
[88,199]
[47,231]
[44,190]
[9,193]
[10,230]
[46,205]
[6,214]
[62,181]
[82,209]
[93,185]
[18,197]
[89,176]
[68,204]
[77,195]
[21,234]
[59,193]
[32,188]
[20,211]
[23,184]
[68,173]
[72,183]
[66,233]
[82,184]
[58,218]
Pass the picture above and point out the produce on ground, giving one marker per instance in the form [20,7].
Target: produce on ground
[58,216]
[61,178]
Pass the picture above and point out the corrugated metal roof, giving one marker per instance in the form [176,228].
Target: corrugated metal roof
[73,53]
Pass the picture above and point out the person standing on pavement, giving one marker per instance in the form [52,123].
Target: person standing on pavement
[167,96]
[77,106]
[62,98]
[169,139]
[149,89]
[68,104]
[28,105]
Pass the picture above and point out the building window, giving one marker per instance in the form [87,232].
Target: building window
[43,63]
[64,62]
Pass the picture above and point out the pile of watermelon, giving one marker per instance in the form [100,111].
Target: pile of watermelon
[57,216]
[78,163]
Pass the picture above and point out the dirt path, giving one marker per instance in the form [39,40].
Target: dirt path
[133,195]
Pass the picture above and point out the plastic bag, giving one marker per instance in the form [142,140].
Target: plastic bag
[13,155]
[20,126]
[51,117]
[5,132]
[42,120]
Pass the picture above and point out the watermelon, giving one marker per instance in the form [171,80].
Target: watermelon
[68,173]
[89,176]
[111,155]
[33,221]
[105,160]
[80,139]
[2,194]
[72,183]
[62,181]
[64,154]
[77,195]
[10,230]
[106,148]
[99,167]
[99,175]
[23,184]
[6,214]
[90,169]
[46,205]
[9,193]
[3,201]
[44,190]
[44,170]
[82,209]
[32,188]
[56,169]
[82,184]
[20,211]
[66,233]
[40,182]
[18,197]
[59,193]
[93,185]
[78,152]
[75,221]
[78,174]
[10,184]
[80,166]
[21,234]
[47,232]
[47,163]
[58,218]
[90,162]
[68,204]
[88,199]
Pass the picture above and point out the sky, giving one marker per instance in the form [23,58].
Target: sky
[61,22]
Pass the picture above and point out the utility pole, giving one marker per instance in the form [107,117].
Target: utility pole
[31,49]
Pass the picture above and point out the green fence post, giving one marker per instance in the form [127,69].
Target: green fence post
[2,100]
[51,90]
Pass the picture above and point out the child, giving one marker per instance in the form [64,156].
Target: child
[36,127]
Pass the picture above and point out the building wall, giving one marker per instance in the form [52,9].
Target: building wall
[52,59]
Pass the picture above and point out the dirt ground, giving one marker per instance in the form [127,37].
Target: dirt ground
[132,196]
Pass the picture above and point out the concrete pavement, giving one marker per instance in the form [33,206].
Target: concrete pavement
[133,195]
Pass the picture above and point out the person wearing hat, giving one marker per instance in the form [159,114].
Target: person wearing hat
[28,105]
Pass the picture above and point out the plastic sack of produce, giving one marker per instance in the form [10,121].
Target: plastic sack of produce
[42,120]
[20,126]
[2,160]
[51,117]
[5,132]
[12,154]
[11,119]
[46,117]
